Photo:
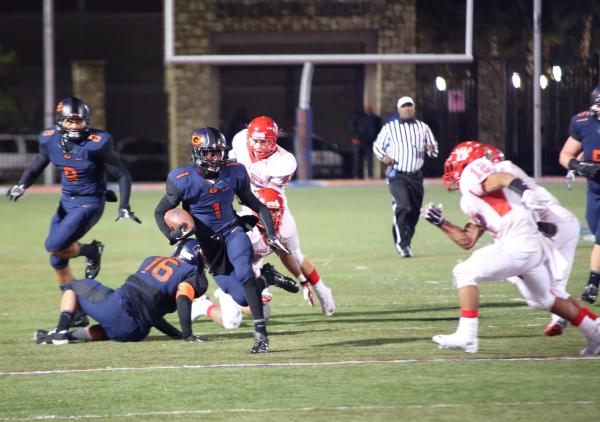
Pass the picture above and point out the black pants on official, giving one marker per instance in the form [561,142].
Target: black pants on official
[407,193]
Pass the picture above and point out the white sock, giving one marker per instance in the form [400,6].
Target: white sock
[468,327]
[589,327]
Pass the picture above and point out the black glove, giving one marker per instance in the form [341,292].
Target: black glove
[15,192]
[128,215]
[434,214]
[194,338]
[547,229]
[587,170]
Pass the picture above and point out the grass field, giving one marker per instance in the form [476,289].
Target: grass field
[373,360]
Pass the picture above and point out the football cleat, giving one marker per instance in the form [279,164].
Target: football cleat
[275,278]
[261,343]
[590,294]
[326,298]
[52,337]
[454,341]
[556,328]
[39,336]
[92,266]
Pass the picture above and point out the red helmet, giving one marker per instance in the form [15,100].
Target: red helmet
[274,202]
[459,157]
[495,155]
[262,137]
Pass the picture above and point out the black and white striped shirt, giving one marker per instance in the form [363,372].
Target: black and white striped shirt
[406,143]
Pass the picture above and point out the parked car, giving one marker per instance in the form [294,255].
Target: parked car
[328,159]
[146,159]
[16,154]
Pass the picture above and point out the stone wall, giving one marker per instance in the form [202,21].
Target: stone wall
[89,84]
[193,89]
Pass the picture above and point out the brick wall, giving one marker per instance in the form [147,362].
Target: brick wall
[193,89]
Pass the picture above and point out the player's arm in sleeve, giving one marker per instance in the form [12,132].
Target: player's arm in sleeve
[116,169]
[40,162]
[170,200]
[187,291]
[166,328]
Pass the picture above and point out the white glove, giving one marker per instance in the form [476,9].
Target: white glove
[15,192]
[570,178]
[307,293]
[533,201]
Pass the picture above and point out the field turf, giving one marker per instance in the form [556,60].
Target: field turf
[373,360]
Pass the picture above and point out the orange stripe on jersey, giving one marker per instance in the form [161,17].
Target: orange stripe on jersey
[48,132]
[582,120]
[185,289]
[232,163]
[185,173]
[498,202]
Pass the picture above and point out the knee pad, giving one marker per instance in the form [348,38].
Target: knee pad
[58,263]
[463,276]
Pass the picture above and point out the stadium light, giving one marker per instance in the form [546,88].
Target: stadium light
[440,83]
[557,73]
[543,81]
[516,80]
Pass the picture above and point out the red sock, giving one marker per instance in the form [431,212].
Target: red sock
[314,277]
[469,313]
[582,314]
[210,309]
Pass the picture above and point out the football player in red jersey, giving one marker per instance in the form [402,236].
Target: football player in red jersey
[499,203]
[271,166]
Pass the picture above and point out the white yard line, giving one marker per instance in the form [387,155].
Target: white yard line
[300,409]
[302,364]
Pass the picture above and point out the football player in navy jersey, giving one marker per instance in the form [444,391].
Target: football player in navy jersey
[81,154]
[584,136]
[161,285]
[206,188]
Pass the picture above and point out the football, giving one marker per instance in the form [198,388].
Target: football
[177,216]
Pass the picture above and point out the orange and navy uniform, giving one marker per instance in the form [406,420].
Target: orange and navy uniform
[160,285]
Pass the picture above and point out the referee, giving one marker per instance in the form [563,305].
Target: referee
[402,144]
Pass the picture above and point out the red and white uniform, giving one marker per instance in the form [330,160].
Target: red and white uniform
[262,249]
[519,248]
[567,224]
[273,172]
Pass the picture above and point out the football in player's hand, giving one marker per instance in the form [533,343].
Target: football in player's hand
[176,217]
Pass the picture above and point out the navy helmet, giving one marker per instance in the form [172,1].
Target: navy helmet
[208,141]
[72,108]
[188,250]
